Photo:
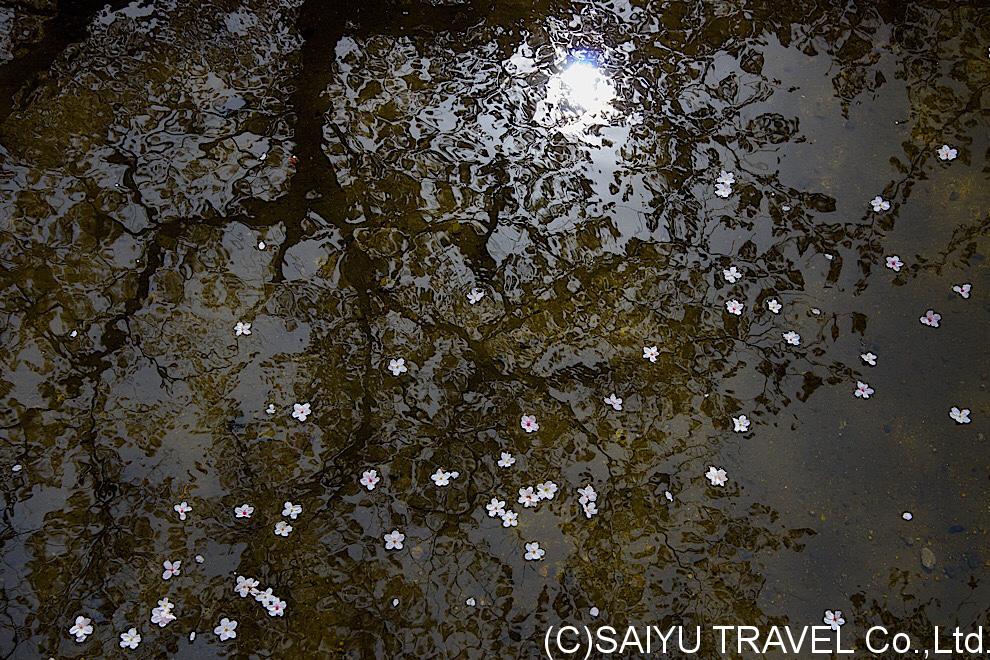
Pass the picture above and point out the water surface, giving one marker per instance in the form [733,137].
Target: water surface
[392,156]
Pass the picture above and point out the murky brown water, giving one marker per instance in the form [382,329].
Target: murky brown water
[561,157]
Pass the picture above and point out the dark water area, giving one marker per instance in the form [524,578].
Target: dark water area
[536,206]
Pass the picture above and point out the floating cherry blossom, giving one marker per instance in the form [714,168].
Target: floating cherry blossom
[960,415]
[243,511]
[792,338]
[182,508]
[291,510]
[242,328]
[270,409]
[546,490]
[863,390]
[506,460]
[931,319]
[282,528]
[394,539]
[171,569]
[945,152]
[716,476]
[397,366]
[528,497]
[81,629]
[894,263]
[370,479]
[650,353]
[879,204]
[907,515]
[470,602]
[245,586]
[869,358]
[442,478]
[834,619]
[963,289]
[130,639]
[510,519]
[301,411]
[162,615]
[496,507]
[731,274]
[276,607]
[723,185]
[529,424]
[614,401]
[734,307]
[475,295]
[740,424]
[226,630]
[534,552]
[774,305]
[587,500]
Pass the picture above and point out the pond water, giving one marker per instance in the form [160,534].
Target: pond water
[342,176]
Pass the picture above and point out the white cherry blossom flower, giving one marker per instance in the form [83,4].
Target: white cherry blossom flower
[470,602]
[270,409]
[506,460]
[301,411]
[242,329]
[716,476]
[727,178]
[731,274]
[590,509]
[291,510]
[161,617]
[650,353]
[907,515]
[81,629]
[945,152]
[894,263]
[370,479]
[834,619]
[475,296]
[960,415]
[226,630]
[130,639]
[496,507]
[397,366]
[869,358]
[740,424]
[182,508]
[276,607]
[510,519]
[171,568]
[528,497]
[963,289]
[442,478]
[774,305]
[863,390]
[546,490]
[587,494]
[265,597]
[534,552]
[529,424]
[792,338]
[282,528]
[723,190]
[243,511]
[199,559]
[879,204]
[734,307]
[394,539]
[931,319]
[614,401]
[245,586]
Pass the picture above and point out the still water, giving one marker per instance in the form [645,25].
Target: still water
[343,176]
